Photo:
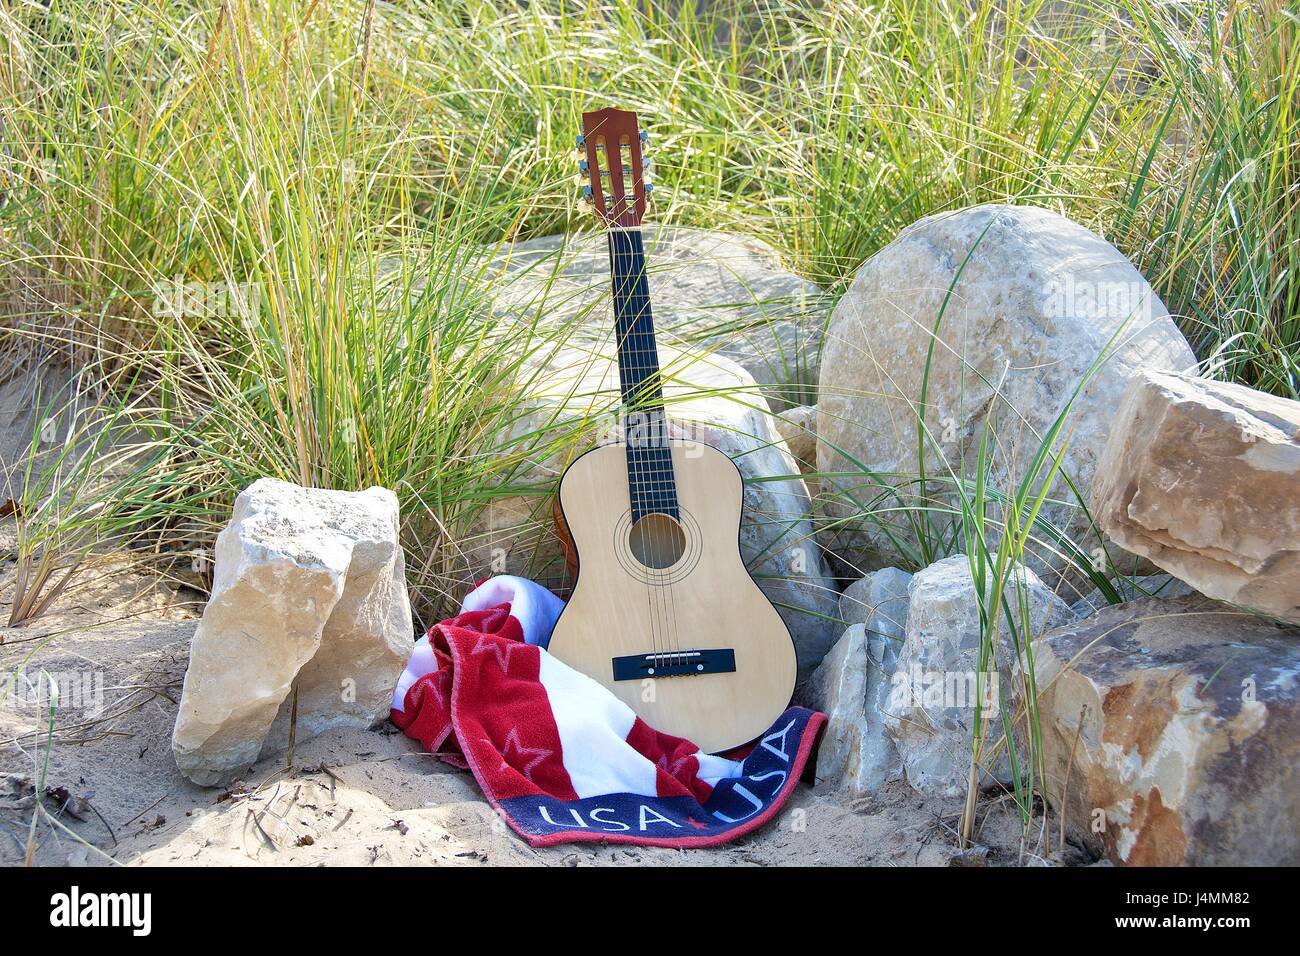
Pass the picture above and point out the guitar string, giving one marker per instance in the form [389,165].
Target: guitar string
[662,450]
[648,450]
[642,455]
[644,447]
[642,465]
[669,475]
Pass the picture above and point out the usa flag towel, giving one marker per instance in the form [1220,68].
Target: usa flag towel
[560,757]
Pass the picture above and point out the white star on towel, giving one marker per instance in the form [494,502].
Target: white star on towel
[500,649]
[671,767]
[538,754]
[437,688]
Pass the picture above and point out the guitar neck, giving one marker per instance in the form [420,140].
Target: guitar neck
[649,460]
[638,354]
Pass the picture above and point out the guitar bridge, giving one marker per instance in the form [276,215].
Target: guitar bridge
[675,664]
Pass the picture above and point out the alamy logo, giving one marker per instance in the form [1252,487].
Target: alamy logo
[75,908]
[964,690]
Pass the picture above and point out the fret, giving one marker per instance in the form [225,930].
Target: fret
[651,483]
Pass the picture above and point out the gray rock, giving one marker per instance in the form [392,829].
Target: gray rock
[886,628]
[853,686]
[855,602]
[930,714]
[887,607]
[309,585]
[838,688]
[1036,301]
[709,290]
[1203,478]
[1189,749]
[850,686]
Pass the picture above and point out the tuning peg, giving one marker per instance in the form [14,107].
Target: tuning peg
[584,166]
[645,137]
[581,141]
[586,193]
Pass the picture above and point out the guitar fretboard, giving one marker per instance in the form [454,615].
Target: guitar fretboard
[651,484]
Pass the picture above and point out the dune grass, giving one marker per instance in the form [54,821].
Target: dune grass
[262,224]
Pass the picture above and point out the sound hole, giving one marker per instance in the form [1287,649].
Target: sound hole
[657,541]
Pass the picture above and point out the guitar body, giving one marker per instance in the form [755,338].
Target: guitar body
[672,596]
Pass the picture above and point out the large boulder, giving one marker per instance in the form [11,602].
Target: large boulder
[852,687]
[309,589]
[568,402]
[1203,478]
[710,290]
[1189,747]
[992,317]
[938,682]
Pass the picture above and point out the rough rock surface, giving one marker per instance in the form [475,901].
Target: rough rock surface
[932,707]
[873,599]
[838,688]
[710,399]
[855,601]
[853,685]
[709,290]
[1035,301]
[1188,751]
[308,584]
[1203,478]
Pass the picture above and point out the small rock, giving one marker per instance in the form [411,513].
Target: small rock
[308,585]
[1190,742]
[853,685]
[855,600]
[1203,478]
[977,855]
[881,595]
[838,688]
[16,792]
[931,710]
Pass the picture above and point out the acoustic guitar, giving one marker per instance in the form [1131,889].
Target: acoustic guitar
[663,611]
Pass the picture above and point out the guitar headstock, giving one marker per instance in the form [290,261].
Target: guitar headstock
[610,157]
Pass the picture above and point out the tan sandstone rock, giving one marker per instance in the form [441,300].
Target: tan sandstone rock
[1018,304]
[1189,751]
[308,584]
[1203,478]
